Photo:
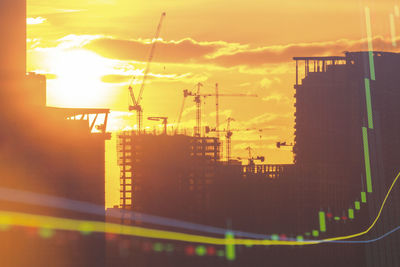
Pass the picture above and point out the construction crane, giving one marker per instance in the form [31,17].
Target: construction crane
[180,114]
[136,106]
[252,159]
[217,95]
[164,121]
[217,110]
[197,99]
[280,144]
[228,136]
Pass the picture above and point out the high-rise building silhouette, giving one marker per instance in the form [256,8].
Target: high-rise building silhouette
[346,145]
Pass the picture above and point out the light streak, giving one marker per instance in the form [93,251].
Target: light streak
[30,220]
[392,30]
[367,160]
[370,47]
[322,224]
[368,102]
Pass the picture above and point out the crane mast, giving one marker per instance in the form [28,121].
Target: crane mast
[180,113]
[228,139]
[197,99]
[217,110]
[136,106]
[164,121]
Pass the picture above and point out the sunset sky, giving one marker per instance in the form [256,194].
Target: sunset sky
[89,51]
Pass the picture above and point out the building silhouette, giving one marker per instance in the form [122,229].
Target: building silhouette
[346,126]
[46,150]
[332,176]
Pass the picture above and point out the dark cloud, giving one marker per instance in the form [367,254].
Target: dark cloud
[281,54]
[184,51]
[226,54]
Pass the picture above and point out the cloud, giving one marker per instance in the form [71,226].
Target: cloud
[266,82]
[184,51]
[267,119]
[32,43]
[76,41]
[223,53]
[188,110]
[264,60]
[245,84]
[115,78]
[34,21]
[49,76]
[224,113]
[152,77]
[119,121]
[276,97]
[285,53]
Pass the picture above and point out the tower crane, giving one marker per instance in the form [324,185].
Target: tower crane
[136,106]
[197,99]
[228,138]
[281,144]
[217,110]
[180,114]
[252,159]
[164,121]
[228,135]
[217,95]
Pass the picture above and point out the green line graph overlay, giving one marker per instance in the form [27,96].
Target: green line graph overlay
[230,247]
[363,197]
[322,224]
[368,102]
[367,160]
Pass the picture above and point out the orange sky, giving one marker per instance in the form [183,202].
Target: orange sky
[90,49]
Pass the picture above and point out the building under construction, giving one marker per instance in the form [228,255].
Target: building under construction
[182,183]
[345,145]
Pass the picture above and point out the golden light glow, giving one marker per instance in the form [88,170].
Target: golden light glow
[248,48]
[78,78]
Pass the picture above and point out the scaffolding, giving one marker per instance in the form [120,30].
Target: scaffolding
[318,65]
[271,171]
[164,174]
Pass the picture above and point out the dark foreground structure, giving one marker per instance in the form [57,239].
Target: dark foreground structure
[347,150]
[51,152]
